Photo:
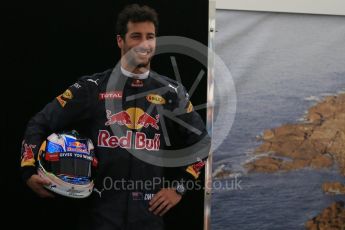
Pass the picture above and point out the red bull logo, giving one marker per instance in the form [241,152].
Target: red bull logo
[146,120]
[140,141]
[78,150]
[133,118]
[137,83]
[106,140]
[78,144]
[120,118]
[28,155]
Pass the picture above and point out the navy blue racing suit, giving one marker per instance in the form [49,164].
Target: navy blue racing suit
[122,115]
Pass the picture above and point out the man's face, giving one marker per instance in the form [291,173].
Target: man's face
[138,46]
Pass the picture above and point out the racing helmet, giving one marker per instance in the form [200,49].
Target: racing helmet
[67,161]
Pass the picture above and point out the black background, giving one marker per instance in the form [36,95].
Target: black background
[47,46]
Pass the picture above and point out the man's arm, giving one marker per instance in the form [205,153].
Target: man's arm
[197,137]
[72,105]
[167,198]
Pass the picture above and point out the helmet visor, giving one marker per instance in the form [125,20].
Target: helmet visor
[69,164]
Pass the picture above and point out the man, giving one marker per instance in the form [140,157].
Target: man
[123,123]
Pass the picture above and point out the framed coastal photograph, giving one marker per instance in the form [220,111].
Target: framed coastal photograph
[282,162]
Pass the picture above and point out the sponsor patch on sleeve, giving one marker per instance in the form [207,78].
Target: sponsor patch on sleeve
[189,107]
[155,99]
[67,94]
[61,101]
[64,97]
[28,158]
[194,169]
[76,85]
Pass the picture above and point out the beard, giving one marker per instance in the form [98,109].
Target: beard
[138,63]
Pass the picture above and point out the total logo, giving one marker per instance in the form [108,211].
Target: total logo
[133,118]
[140,141]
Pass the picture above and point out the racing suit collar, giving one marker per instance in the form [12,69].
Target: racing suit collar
[135,75]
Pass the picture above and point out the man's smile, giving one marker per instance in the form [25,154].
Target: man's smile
[143,52]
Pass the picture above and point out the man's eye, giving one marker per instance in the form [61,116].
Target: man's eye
[151,37]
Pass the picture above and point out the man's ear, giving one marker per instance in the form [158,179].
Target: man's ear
[120,41]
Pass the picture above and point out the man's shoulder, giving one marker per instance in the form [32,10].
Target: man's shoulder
[96,79]
[164,80]
[174,88]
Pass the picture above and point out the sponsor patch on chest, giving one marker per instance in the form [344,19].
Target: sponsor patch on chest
[135,140]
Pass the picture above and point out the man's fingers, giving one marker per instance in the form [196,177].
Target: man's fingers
[43,181]
[163,201]
[36,179]
[155,197]
[167,208]
[44,193]
[161,207]
[36,183]
[156,204]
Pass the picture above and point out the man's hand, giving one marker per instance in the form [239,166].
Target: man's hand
[163,201]
[35,182]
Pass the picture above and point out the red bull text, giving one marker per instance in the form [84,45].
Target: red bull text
[140,141]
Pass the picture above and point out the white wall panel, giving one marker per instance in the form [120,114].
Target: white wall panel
[335,7]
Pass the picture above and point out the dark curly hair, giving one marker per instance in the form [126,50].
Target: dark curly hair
[135,13]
